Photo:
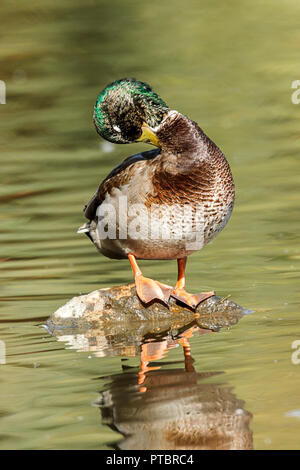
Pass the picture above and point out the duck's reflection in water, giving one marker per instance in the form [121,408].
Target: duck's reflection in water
[171,406]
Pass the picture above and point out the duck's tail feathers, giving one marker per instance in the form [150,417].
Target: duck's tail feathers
[85,228]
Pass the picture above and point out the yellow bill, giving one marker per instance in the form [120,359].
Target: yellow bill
[148,136]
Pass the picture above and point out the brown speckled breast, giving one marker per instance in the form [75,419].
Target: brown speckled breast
[194,173]
[189,170]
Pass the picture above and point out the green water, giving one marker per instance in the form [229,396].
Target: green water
[229,66]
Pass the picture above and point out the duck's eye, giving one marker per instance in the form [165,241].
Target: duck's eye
[133,133]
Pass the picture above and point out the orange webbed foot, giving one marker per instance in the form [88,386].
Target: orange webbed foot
[191,300]
[149,290]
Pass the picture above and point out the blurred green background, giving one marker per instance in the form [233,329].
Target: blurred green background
[227,65]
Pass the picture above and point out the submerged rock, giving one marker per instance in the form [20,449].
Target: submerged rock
[118,314]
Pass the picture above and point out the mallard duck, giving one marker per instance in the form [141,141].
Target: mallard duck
[165,203]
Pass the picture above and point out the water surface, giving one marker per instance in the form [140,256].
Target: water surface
[230,68]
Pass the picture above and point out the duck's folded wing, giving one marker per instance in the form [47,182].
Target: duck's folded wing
[91,208]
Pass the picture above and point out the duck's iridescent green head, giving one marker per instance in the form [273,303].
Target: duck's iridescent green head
[123,107]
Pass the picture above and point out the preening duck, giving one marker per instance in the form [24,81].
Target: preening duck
[165,203]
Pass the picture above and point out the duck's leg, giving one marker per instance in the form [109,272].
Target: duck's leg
[147,289]
[184,342]
[179,293]
[150,352]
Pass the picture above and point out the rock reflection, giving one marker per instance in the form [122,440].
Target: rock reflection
[167,406]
